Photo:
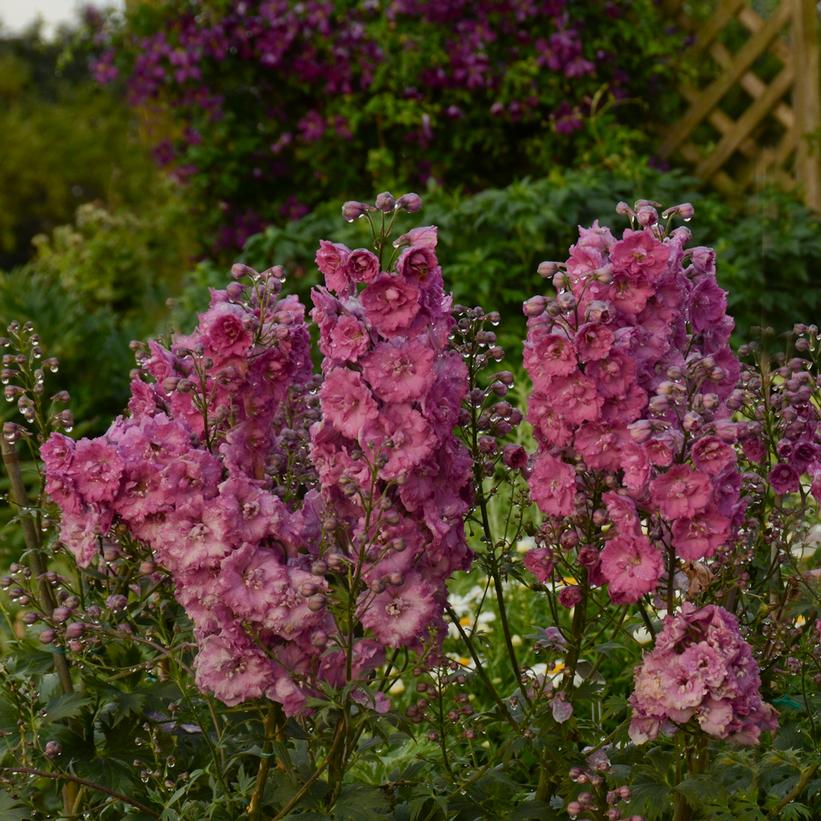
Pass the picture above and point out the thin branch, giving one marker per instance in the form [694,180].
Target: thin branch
[61,776]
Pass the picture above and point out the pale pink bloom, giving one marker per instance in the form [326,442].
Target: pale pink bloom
[347,402]
[400,371]
[681,492]
[553,485]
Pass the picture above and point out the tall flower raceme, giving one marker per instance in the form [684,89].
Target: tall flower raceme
[631,370]
[208,468]
[389,465]
[782,435]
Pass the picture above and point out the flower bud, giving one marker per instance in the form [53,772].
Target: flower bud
[75,630]
[116,602]
[534,306]
[547,269]
[385,202]
[238,271]
[352,210]
[52,750]
[409,202]
[316,603]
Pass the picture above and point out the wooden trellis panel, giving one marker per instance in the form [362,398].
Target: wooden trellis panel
[777,136]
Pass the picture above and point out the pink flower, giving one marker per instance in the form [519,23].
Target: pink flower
[391,303]
[636,467]
[783,478]
[576,398]
[621,510]
[629,297]
[548,354]
[593,341]
[570,596]
[553,485]
[702,667]
[331,259]
[753,447]
[96,469]
[57,453]
[347,402]
[400,371]
[539,562]
[599,444]
[401,616]
[639,256]
[400,436]
[224,330]
[681,492]
[362,265]
[233,672]
[711,455]
[549,424]
[707,304]
[425,236]
[417,262]
[349,339]
[632,567]
[514,456]
[247,578]
[613,375]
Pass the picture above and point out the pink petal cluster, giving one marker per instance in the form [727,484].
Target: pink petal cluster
[700,669]
[631,369]
[197,470]
[389,464]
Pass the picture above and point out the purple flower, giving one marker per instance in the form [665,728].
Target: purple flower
[784,479]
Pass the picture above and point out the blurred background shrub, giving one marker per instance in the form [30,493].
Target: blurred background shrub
[269,108]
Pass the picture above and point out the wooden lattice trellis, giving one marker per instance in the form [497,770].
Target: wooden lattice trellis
[776,137]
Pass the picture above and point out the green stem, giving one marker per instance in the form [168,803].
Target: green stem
[481,670]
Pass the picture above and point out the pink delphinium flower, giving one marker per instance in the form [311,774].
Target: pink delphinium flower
[331,259]
[362,265]
[348,339]
[391,303]
[540,563]
[400,371]
[635,401]
[553,485]
[96,469]
[399,616]
[784,479]
[699,536]
[347,401]
[196,482]
[632,567]
[681,492]
[702,669]
[639,256]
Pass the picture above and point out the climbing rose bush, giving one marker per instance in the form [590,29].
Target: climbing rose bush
[349,579]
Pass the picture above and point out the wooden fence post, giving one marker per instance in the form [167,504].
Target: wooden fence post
[807,100]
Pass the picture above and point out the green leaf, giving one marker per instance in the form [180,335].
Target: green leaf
[358,802]
[11,810]
[67,705]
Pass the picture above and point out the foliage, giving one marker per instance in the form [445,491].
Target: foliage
[270,108]
[526,713]
[489,238]
[63,141]
[94,286]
